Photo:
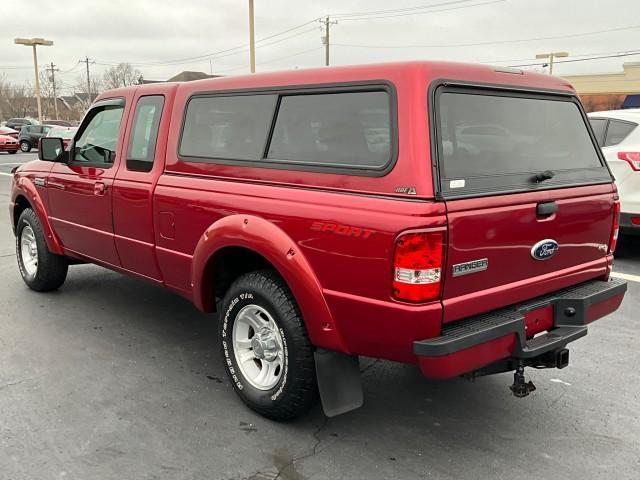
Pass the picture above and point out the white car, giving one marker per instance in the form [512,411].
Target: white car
[619,136]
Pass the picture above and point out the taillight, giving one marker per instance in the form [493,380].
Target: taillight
[417,266]
[632,158]
[613,240]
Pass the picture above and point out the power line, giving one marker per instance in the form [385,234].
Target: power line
[424,12]
[259,43]
[72,68]
[494,42]
[573,55]
[273,60]
[629,54]
[15,67]
[219,54]
[396,10]
[200,58]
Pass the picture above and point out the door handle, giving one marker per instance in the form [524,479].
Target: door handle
[546,209]
[59,186]
[99,188]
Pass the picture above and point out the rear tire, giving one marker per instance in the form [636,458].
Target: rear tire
[266,349]
[41,270]
[25,146]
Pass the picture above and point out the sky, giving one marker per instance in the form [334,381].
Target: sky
[162,38]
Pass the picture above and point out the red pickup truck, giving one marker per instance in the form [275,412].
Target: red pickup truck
[457,217]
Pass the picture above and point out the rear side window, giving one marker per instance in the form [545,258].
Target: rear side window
[599,126]
[350,129]
[142,144]
[491,142]
[618,131]
[227,127]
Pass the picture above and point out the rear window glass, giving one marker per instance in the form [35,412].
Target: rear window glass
[618,131]
[349,129]
[495,142]
[599,126]
[227,127]
[142,143]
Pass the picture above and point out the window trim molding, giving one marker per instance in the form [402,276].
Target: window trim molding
[313,89]
[604,132]
[133,129]
[101,104]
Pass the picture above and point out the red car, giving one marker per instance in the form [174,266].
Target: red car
[8,144]
[456,217]
[9,132]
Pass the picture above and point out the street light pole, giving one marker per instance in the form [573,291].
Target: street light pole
[34,42]
[551,56]
[252,40]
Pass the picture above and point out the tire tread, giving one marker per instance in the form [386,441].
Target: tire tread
[52,269]
[302,390]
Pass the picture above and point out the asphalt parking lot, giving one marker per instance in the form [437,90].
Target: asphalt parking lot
[112,378]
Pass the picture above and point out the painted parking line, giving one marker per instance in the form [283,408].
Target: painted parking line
[6,174]
[626,276]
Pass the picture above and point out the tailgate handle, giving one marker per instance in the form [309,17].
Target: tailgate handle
[546,209]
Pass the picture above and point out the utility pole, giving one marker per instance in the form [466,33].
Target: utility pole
[34,42]
[551,56]
[252,39]
[325,38]
[52,78]
[86,60]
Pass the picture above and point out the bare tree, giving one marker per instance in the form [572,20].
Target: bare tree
[121,75]
[16,100]
[46,95]
[84,99]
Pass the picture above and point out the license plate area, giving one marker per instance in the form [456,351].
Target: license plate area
[538,320]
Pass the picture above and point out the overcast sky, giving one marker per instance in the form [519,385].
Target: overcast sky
[148,33]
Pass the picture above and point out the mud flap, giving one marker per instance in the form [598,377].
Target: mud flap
[338,382]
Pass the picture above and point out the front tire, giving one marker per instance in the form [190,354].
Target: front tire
[266,349]
[25,146]
[41,270]
[12,152]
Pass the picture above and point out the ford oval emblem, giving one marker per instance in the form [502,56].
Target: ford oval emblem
[544,249]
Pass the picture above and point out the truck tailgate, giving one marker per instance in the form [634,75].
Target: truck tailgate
[501,234]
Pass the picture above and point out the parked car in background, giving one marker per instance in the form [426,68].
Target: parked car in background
[65,133]
[8,144]
[18,123]
[60,123]
[9,132]
[31,134]
[618,135]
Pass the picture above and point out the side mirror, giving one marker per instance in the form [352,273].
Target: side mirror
[50,149]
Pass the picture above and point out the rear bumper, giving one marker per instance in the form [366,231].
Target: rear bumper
[476,342]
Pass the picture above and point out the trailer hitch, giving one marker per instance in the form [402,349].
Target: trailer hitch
[520,387]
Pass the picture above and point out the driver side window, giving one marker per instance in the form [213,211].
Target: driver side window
[96,146]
